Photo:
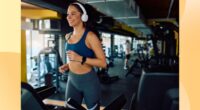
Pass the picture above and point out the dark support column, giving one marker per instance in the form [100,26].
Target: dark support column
[100,35]
[58,61]
[155,47]
[132,39]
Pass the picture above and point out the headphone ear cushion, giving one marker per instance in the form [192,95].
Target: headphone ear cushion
[84,17]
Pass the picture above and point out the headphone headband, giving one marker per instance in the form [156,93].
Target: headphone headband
[84,16]
[81,6]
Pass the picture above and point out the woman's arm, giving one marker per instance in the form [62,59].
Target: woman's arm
[95,45]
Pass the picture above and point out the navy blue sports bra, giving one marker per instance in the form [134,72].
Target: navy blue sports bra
[80,47]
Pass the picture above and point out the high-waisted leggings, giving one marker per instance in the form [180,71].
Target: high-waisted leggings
[85,86]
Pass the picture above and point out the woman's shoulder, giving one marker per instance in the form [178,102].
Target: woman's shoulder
[92,35]
[68,35]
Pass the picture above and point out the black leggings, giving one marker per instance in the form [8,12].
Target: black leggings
[128,56]
[85,86]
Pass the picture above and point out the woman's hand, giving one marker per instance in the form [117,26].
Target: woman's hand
[63,68]
[73,56]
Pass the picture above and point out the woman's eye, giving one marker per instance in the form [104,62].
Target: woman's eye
[71,14]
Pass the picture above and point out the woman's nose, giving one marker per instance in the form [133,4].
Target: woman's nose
[68,17]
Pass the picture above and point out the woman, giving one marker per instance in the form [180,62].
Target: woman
[84,51]
[127,54]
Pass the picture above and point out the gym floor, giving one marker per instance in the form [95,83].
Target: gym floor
[125,85]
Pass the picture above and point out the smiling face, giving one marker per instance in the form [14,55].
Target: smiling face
[73,16]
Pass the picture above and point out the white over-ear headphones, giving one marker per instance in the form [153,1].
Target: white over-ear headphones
[84,16]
